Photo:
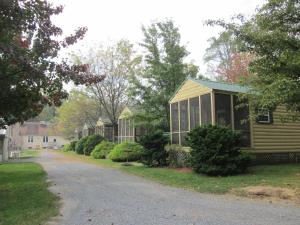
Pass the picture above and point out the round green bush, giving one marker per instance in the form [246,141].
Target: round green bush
[72,145]
[126,151]
[79,148]
[66,148]
[91,142]
[102,150]
[215,151]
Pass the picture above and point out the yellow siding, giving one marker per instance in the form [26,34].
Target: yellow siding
[276,137]
[125,113]
[188,90]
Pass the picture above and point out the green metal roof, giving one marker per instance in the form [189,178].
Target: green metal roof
[222,86]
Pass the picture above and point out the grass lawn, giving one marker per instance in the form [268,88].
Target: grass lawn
[286,176]
[24,197]
[29,153]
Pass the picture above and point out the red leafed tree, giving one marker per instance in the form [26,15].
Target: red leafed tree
[238,68]
[31,75]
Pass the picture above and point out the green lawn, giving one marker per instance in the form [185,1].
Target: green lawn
[24,197]
[287,176]
[29,153]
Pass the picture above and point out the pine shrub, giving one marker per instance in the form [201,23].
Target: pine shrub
[126,152]
[102,150]
[91,142]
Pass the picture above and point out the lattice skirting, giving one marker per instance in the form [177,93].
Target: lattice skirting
[276,158]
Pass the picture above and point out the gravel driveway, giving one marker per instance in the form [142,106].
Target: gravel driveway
[94,195]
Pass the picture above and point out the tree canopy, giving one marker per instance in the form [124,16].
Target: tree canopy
[164,71]
[31,75]
[272,35]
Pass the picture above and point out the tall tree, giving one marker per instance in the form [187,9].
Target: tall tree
[31,76]
[117,63]
[164,71]
[273,36]
[225,59]
[77,110]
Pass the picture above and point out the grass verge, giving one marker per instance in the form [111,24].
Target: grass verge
[285,176]
[24,195]
[30,153]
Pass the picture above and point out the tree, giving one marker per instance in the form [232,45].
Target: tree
[238,68]
[225,59]
[164,70]
[272,35]
[117,63]
[31,76]
[77,110]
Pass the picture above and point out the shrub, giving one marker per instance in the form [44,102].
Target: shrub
[91,142]
[178,156]
[154,145]
[79,148]
[72,145]
[126,151]
[215,151]
[66,148]
[102,150]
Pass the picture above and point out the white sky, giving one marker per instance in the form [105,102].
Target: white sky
[111,20]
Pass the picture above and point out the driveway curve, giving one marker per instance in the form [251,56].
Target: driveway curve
[93,195]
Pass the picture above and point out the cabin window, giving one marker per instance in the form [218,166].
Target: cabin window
[174,114]
[184,119]
[194,113]
[30,138]
[241,120]
[127,124]
[264,116]
[223,109]
[205,109]
[175,138]
[45,139]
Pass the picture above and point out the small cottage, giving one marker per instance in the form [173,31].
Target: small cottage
[87,130]
[198,102]
[127,131]
[105,128]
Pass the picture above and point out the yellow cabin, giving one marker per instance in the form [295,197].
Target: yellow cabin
[127,131]
[105,128]
[198,102]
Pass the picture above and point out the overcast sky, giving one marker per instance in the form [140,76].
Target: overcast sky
[111,20]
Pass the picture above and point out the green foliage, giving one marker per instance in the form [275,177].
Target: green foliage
[178,156]
[126,151]
[215,151]
[73,145]
[67,147]
[272,35]
[165,70]
[91,142]
[31,74]
[79,148]
[154,145]
[77,110]
[102,150]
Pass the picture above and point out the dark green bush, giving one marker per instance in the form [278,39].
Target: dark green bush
[126,151]
[91,142]
[102,150]
[178,156]
[79,148]
[215,151]
[154,145]
[72,145]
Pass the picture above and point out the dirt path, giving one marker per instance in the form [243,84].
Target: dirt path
[93,195]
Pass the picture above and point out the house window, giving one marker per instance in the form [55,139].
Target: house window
[194,113]
[223,109]
[184,119]
[30,138]
[54,140]
[264,116]
[241,120]
[45,139]
[205,109]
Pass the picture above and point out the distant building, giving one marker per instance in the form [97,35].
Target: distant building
[34,135]
[3,146]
